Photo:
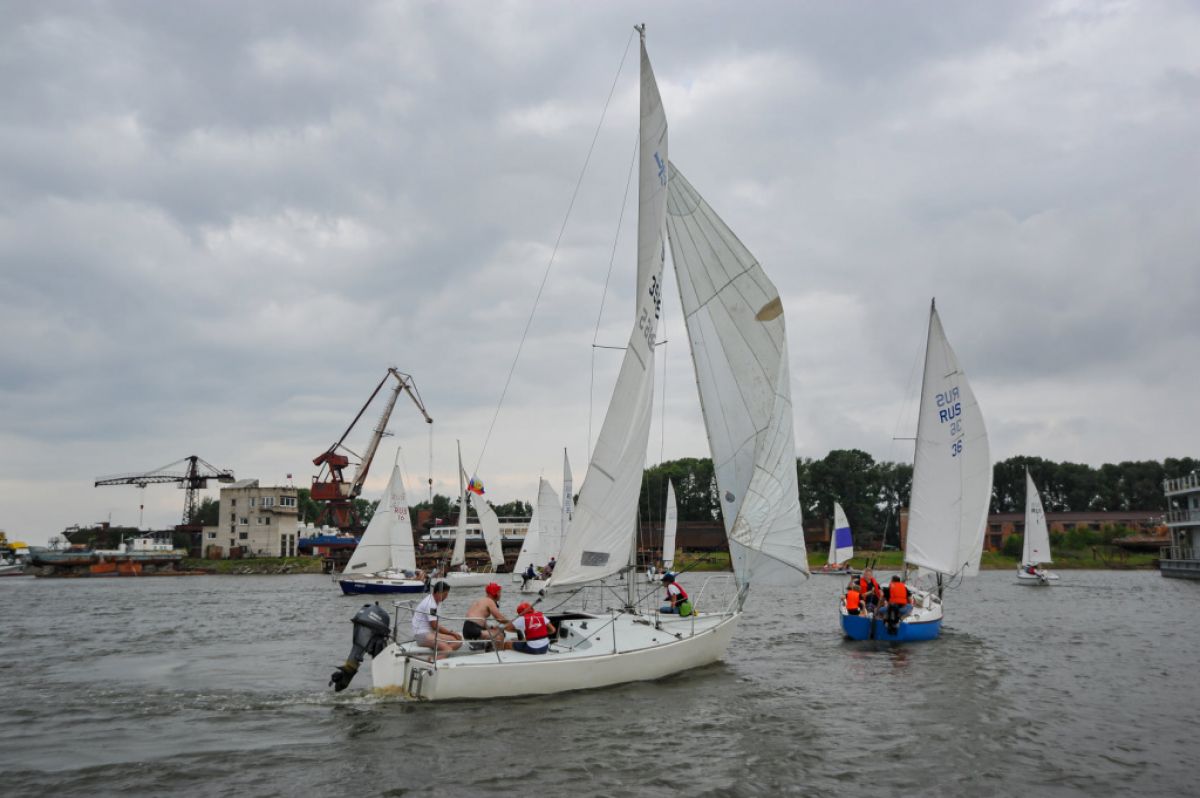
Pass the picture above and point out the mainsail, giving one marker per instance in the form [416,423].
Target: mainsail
[531,546]
[460,535]
[841,547]
[568,497]
[1036,548]
[738,339]
[670,523]
[387,542]
[601,537]
[952,469]
[550,533]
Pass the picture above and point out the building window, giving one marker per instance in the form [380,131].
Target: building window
[267,501]
[244,521]
[233,502]
[263,520]
[212,535]
[252,500]
[287,501]
[243,535]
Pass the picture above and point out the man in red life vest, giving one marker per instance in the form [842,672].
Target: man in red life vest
[899,603]
[535,628]
[677,598]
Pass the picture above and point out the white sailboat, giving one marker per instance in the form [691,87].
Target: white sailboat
[951,491]
[736,326]
[384,560]
[1035,549]
[458,574]
[670,524]
[542,540]
[841,544]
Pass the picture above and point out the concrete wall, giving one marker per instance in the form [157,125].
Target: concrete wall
[260,521]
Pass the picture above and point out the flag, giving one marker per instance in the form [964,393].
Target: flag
[475,486]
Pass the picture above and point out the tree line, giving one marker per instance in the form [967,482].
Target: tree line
[870,492]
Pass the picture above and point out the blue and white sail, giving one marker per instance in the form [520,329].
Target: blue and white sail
[738,338]
[841,546]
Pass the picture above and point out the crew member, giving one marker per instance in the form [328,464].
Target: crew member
[484,607]
[869,588]
[853,599]
[528,575]
[899,602]
[677,602]
[426,629]
[534,627]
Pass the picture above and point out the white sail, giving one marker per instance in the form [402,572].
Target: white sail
[489,525]
[387,542]
[841,546]
[670,523]
[549,529]
[531,545]
[952,469]
[460,535]
[568,496]
[1036,548]
[738,339]
[601,535]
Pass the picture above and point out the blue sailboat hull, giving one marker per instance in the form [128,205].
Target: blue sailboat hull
[859,627]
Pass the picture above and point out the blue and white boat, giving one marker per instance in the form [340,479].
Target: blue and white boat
[951,492]
[385,560]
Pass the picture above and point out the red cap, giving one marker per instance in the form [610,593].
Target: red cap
[524,607]
[492,590]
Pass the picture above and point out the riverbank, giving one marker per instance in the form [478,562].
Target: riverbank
[256,566]
[1101,558]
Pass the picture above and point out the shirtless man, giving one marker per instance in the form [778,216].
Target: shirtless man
[484,607]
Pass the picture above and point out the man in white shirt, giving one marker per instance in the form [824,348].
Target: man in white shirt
[426,629]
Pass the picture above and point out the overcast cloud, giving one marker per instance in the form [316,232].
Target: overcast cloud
[221,222]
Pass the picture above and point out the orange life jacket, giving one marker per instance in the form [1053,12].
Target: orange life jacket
[852,599]
[864,585]
[897,593]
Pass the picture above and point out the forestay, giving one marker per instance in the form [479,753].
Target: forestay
[1036,548]
[952,469]
[387,542]
[738,339]
[601,536]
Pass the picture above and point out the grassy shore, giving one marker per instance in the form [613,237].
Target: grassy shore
[1103,557]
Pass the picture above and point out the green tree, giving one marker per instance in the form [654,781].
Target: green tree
[207,514]
[1014,546]
[514,509]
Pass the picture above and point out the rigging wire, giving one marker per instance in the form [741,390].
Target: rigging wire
[553,254]
[604,293]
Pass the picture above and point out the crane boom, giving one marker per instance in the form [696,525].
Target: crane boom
[333,489]
[192,478]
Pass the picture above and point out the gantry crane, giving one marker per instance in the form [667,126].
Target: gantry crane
[194,477]
[329,486]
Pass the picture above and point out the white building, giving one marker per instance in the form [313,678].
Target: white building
[1182,557]
[260,521]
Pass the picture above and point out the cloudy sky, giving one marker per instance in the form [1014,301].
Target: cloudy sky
[221,222]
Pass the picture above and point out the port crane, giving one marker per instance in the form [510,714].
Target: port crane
[192,477]
[330,486]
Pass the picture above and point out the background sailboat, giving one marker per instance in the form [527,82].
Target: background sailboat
[951,492]
[841,544]
[670,524]
[384,560]
[1035,549]
[458,574]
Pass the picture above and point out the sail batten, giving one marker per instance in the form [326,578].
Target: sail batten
[738,339]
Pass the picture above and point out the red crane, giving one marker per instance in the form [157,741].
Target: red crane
[330,486]
[193,478]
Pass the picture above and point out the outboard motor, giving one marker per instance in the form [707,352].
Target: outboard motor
[372,627]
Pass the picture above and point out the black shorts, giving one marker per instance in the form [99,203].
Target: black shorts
[472,631]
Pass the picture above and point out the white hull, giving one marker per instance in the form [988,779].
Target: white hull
[592,651]
[459,579]
[1034,580]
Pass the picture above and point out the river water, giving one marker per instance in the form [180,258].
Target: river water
[216,686]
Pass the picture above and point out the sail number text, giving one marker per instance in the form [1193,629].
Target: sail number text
[649,326]
[950,412]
